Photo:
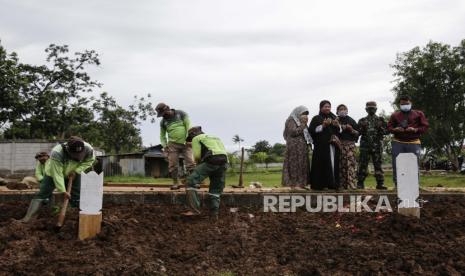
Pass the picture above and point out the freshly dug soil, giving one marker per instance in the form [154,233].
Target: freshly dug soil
[155,240]
[18,186]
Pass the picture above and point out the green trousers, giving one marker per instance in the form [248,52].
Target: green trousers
[216,174]
[47,186]
[376,156]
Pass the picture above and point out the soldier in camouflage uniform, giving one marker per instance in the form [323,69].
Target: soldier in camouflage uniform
[372,131]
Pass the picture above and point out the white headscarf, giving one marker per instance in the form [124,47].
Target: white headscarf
[295,115]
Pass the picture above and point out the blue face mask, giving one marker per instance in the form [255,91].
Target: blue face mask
[406,107]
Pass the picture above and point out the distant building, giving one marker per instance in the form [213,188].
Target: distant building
[149,162]
[17,156]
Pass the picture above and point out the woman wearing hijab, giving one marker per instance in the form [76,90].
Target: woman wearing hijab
[296,161]
[324,129]
[348,137]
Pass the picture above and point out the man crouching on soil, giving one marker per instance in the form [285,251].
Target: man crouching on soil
[212,160]
[67,160]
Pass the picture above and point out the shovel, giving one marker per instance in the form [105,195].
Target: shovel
[62,214]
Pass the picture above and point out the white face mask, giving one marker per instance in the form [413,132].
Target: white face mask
[342,113]
[406,107]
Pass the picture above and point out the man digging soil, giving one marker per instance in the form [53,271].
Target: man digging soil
[212,160]
[67,160]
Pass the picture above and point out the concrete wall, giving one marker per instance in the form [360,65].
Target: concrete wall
[17,158]
[130,167]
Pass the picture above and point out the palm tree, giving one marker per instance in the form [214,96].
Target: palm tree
[237,140]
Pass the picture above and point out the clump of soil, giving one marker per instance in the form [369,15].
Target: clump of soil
[155,240]
[18,186]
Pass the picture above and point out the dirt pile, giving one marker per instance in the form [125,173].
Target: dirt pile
[14,185]
[155,240]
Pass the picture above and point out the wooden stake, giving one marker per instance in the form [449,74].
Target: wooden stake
[241,179]
[89,225]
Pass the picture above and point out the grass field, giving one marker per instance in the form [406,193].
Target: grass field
[272,178]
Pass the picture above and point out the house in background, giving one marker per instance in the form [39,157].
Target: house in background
[149,162]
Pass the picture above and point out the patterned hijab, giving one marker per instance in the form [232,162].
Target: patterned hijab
[295,115]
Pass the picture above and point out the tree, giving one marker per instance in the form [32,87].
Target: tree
[261,146]
[237,140]
[259,157]
[278,149]
[233,161]
[434,77]
[116,128]
[52,102]
[48,99]
[12,106]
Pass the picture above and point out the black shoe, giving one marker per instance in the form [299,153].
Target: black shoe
[360,186]
[381,187]
[175,187]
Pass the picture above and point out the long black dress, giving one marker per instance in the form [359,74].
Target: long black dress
[325,170]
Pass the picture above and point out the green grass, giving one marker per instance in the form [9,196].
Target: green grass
[272,178]
[136,179]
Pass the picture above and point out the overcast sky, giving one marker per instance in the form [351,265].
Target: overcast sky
[236,66]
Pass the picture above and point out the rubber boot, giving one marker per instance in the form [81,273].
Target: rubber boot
[184,179]
[192,200]
[33,209]
[175,185]
[214,205]
[380,186]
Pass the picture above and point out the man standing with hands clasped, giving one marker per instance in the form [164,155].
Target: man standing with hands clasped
[372,131]
[175,124]
[407,125]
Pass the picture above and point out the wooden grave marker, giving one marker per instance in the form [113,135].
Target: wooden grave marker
[408,189]
[90,215]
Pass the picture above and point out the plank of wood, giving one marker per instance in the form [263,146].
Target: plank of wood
[412,212]
[89,225]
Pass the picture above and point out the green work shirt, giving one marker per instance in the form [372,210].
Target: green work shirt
[211,143]
[176,128]
[40,171]
[60,165]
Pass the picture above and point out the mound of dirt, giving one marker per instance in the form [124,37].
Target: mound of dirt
[155,240]
[18,186]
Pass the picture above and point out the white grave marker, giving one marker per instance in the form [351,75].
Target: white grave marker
[90,215]
[408,189]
